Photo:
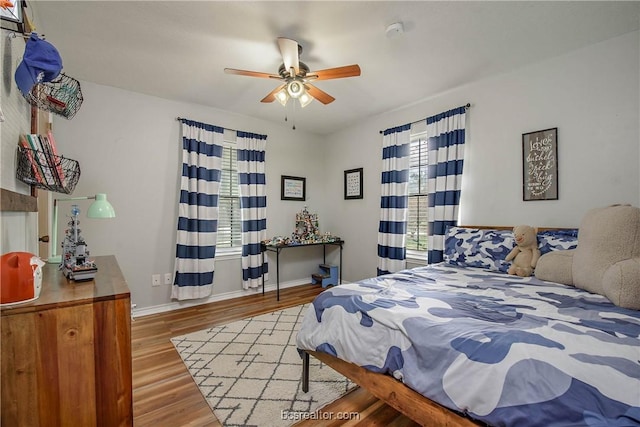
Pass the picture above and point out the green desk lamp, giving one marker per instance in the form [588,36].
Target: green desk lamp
[101,208]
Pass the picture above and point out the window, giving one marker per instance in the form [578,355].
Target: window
[229,224]
[416,239]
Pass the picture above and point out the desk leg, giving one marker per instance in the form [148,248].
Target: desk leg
[305,371]
[262,272]
[340,265]
[278,274]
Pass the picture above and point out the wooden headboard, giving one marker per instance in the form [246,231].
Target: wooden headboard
[506,227]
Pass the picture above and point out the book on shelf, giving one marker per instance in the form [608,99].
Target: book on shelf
[35,167]
[54,150]
[52,159]
[46,164]
[41,158]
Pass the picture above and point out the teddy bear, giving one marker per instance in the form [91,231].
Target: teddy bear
[525,254]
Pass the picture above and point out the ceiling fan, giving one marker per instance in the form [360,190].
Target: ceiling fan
[297,77]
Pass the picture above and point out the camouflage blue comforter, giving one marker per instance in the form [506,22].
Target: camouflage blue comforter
[505,350]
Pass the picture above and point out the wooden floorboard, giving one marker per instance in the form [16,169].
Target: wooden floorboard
[164,393]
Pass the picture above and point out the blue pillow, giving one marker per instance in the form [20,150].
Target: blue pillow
[554,240]
[473,247]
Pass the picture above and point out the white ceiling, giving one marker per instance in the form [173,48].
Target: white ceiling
[178,49]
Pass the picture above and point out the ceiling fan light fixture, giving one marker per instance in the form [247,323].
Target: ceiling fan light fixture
[295,76]
[295,88]
[305,99]
[282,96]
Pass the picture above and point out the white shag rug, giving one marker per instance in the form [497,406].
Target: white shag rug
[249,371]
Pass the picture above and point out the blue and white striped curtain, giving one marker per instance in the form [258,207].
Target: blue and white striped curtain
[197,210]
[253,206]
[446,135]
[393,203]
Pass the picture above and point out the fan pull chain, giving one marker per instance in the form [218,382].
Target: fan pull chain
[293,115]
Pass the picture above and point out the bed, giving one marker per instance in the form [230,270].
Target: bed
[458,345]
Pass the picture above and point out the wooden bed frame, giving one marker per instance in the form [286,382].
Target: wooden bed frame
[393,392]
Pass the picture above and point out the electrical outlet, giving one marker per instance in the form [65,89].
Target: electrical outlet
[155,280]
[168,279]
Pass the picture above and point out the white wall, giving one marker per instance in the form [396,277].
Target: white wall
[18,230]
[590,95]
[129,147]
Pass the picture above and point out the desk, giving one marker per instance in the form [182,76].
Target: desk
[278,248]
[66,357]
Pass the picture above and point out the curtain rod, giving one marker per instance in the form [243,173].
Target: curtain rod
[184,118]
[229,129]
[466,107]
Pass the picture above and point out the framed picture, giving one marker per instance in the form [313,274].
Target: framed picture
[293,188]
[540,165]
[12,14]
[353,184]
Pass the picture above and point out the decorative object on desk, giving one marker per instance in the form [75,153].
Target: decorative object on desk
[39,164]
[74,260]
[293,188]
[540,165]
[21,278]
[249,371]
[306,232]
[276,241]
[353,184]
[76,264]
[306,229]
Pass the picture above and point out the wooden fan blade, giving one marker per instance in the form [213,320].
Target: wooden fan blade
[336,73]
[251,73]
[272,95]
[289,52]
[318,94]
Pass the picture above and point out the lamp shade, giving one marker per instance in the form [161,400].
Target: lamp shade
[101,208]
[305,99]
[295,88]
[282,96]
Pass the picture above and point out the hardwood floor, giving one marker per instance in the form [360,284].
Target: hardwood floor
[164,393]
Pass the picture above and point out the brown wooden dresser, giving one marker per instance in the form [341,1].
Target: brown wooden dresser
[66,357]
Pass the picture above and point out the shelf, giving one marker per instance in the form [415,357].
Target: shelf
[10,201]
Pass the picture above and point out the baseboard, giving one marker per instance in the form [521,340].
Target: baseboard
[174,305]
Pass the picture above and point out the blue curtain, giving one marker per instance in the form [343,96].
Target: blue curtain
[197,210]
[253,206]
[393,203]
[446,136]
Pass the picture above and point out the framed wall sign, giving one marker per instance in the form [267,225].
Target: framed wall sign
[293,188]
[12,15]
[353,184]
[540,165]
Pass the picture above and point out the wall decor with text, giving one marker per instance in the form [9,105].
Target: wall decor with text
[353,184]
[540,165]
[293,188]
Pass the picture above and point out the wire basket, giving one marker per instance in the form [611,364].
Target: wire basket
[61,96]
[47,171]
